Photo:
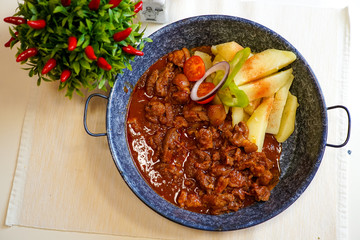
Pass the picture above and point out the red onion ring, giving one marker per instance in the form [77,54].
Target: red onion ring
[223,66]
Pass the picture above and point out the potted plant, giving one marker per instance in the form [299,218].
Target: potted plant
[82,44]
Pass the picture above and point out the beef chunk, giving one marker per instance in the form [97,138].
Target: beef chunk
[171,139]
[179,57]
[205,181]
[262,193]
[180,122]
[168,117]
[221,184]
[150,83]
[154,110]
[195,113]
[162,83]
[204,137]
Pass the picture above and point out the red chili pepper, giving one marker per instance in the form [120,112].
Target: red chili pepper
[94,5]
[15,20]
[114,3]
[119,36]
[89,51]
[138,7]
[65,75]
[133,51]
[49,65]
[72,42]
[37,24]
[66,3]
[8,44]
[102,63]
[28,53]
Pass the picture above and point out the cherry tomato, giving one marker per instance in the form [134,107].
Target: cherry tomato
[194,68]
[204,89]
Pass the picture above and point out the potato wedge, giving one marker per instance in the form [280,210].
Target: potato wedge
[238,114]
[266,87]
[278,107]
[263,64]
[249,109]
[258,121]
[287,124]
[205,57]
[218,58]
[226,50]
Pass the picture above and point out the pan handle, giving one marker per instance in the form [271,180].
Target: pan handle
[85,115]
[349,127]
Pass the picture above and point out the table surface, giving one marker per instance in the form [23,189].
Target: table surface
[13,106]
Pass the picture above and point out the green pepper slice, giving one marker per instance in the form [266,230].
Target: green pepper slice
[232,96]
[229,94]
[235,65]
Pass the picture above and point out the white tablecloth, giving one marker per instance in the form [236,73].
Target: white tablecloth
[67,188]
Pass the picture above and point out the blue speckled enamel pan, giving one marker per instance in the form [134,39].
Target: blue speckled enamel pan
[302,152]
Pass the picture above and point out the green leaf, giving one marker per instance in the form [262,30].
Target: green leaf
[102,83]
[32,8]
[148,40]
[62,85]
[111,15]
[12,33]
[60,9]
[78,92]
[45,38]
[86,42]
[76,67]
[81,40]
[63,22]
[76,83]
[89,24]
[128,66]
[70,20]
[72,56]
[53,4]
[105,38]
[55,50]
[85,64]
[82,28]
[38,32]
[31,73]
[127,14]
[81,13]
[102,13]
[50,30]
[69,92]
